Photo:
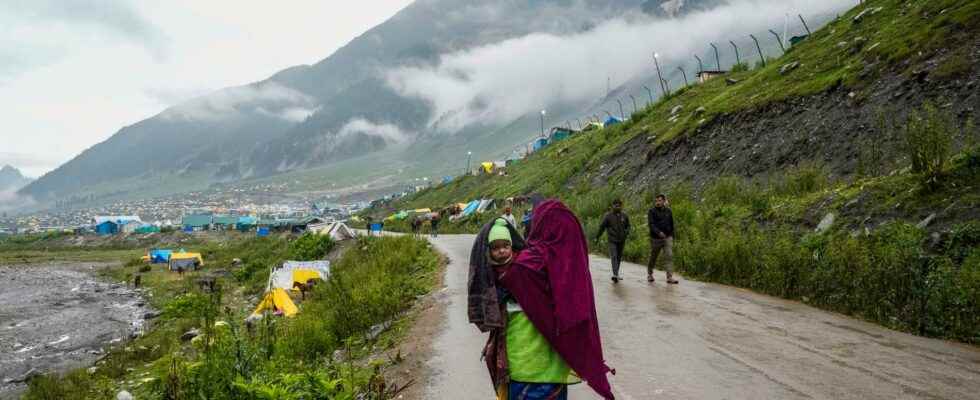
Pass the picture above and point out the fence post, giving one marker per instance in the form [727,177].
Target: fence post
[717,58]
[805,26]
[761,56]
[738,58]
[634,103]
[649,93]
[686,83]
[778,40]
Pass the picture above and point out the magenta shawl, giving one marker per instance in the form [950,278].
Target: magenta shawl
[551,281]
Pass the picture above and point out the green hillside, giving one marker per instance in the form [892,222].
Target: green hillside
[867,123]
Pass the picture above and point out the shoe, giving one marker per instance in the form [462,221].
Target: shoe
[615,279]
[650,278]
[671,280]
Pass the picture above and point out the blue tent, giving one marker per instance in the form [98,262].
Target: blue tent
[107,228]
[447,179]
[539,144]
[160,256]
[612,121]
[263,231]
[558,134]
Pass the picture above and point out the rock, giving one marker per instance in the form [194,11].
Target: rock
[30,374]
[731,81]
[826,222]
[191,334]
[789,67]
[860,17]
[151,315]
[924,223]
[124,395]
[851,203]
[678,108]
[339,356]
[92,370]
[700,110]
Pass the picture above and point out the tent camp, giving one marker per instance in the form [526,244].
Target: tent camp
[471,208]
[148,229]
[487,167]
[298,272]
[337,231]
[276,300]
[559,134]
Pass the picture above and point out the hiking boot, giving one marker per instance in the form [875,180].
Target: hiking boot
[650,278]
[615,279]
[671,280]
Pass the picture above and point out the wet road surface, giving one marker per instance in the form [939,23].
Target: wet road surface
[705,341]
[55,317]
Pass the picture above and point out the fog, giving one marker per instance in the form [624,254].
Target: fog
[498,83]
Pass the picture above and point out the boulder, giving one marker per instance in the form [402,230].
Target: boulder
[789,67]
[678,108]
[731,81]
[924,223]
[826,223]
[151,315]
[701,110]
[124,395]
[190,335]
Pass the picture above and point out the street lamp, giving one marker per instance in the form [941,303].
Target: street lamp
[717,58]
[634,102]
[657,63]
[543,113]
[621,112]
[469,154]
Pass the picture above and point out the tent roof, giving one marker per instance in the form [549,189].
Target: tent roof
[277,298]
[225,219]
[195,220]
[117,219]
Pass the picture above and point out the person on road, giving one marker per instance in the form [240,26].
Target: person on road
[508,215]
[416,227]
[434,222]
[539,307]
[617,227]
[661,222]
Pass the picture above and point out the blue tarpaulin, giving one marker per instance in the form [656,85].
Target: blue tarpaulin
[471,208]
[447,179]
[160,256]
[612,121]
[539,144]
[263,231]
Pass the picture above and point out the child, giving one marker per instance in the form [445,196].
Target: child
[536,371]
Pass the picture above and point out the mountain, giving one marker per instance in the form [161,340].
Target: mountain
[313,115]
[12,179]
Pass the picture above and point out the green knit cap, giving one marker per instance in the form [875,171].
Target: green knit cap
[499,231]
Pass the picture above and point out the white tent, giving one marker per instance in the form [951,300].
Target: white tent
[336,230]
[298,271]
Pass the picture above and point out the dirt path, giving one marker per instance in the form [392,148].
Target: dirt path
[706,341]
[54,317]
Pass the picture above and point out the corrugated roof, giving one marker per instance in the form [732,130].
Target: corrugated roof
[118,219]
[196,220]
[224,220]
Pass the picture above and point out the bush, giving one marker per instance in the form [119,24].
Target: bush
[927,142]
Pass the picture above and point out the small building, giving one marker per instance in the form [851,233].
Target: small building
[224,222]
[107,228]
[246,223]
[114,224]
[705,76]
[130,226]
[195,223]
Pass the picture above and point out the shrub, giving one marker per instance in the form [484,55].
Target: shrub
[927,143]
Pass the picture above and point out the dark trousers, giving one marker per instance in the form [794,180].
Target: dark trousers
[616,255]
[667,247]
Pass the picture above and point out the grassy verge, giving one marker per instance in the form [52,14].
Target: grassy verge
[317,354]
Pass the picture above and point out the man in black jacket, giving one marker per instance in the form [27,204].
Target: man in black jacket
[616,225]
[661,222]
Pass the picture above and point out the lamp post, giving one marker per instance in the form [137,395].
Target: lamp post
[621,112]
[469,154]
[543,113]
[634,102]
[649,93]
[656,62]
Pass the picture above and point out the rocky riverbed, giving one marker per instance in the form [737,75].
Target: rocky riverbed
[59,316]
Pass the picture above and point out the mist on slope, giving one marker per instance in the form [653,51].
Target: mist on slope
[498,83]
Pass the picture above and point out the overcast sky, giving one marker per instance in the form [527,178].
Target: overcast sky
[72,72]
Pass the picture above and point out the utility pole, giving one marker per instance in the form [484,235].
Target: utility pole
[469,154]
[761,56]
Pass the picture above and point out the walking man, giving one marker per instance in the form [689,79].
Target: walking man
[434,222]
[616,225]
[661,222]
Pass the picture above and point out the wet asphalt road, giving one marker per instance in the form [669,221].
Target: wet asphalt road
[706,341]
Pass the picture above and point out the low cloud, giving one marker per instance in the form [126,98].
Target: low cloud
[390,133]
[267,98]
[11,201]
[498,83]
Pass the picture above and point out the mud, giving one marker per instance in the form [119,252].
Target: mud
[705,341]
[56,317]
